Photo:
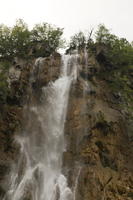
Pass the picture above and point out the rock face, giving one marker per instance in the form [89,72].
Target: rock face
[98,159]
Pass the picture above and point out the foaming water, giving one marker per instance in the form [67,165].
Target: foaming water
[76,184]
[37,175]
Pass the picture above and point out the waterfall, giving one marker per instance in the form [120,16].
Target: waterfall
[38,173]
[76,184]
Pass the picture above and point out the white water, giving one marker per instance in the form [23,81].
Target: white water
[76,184]
[38,173]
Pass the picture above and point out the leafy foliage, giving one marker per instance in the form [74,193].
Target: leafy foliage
[78,41]
[47,36]
[5,39]
[18,41]
[3,88]
[118,50]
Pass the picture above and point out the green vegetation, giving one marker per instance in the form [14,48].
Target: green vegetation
[45,39]
[81,41]
[116,51]
[113,53]
[78,41]
[115,56]
[119,51]
[3,88]
[118,55]
[19,41]
[122,83]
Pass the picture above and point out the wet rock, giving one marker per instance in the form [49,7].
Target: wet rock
[98,155]
[4,168]
[107,161]
[2,193]
[96,135]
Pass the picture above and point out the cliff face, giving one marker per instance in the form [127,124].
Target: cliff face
[98,159]
[99,142]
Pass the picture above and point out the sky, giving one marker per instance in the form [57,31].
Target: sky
[72,15]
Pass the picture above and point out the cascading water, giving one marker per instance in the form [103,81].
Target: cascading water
[38,173]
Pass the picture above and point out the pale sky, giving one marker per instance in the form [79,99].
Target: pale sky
[72,15]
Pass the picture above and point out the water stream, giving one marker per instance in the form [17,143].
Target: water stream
[38,174]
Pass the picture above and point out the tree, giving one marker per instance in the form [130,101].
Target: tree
[18,41]
[118,50]
[5,40]
[49,38]
[20,36]
[102,34]
[78,41]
